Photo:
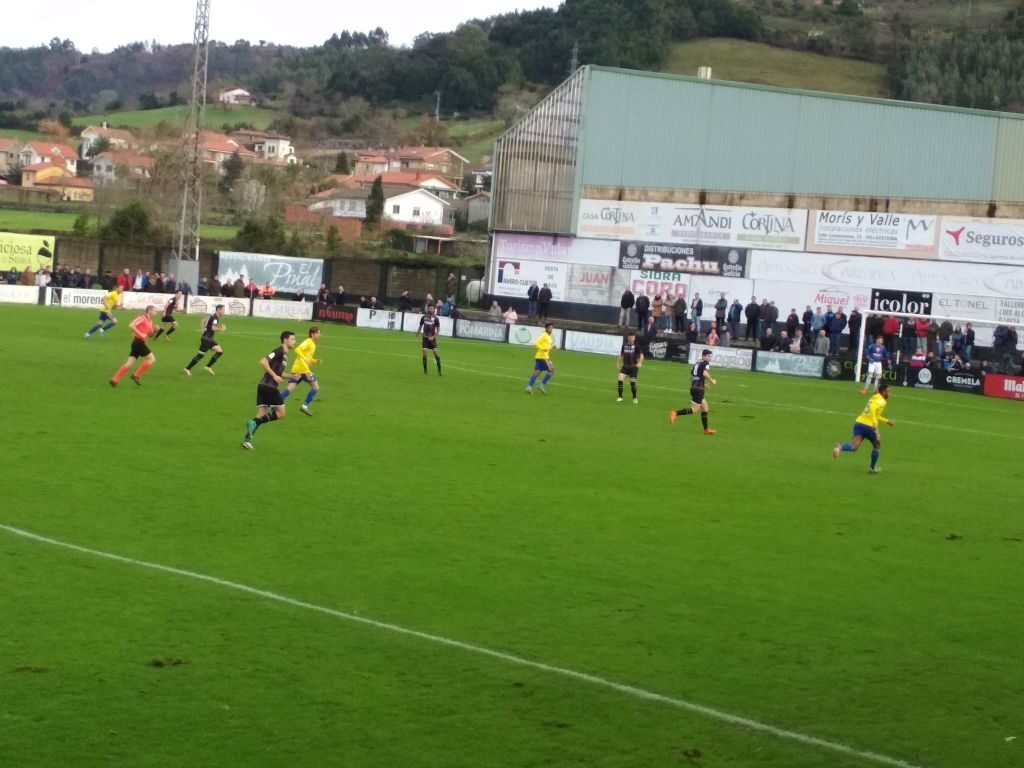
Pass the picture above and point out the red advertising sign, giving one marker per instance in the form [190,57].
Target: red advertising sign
[1009,387]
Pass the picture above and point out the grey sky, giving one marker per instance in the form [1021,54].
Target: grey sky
[112,23]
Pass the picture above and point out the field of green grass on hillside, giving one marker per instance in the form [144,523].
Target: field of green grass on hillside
[747,62]
[216,116]
[52,221]
[11,133]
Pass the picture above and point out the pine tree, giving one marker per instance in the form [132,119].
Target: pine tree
[375,202]
[341,165]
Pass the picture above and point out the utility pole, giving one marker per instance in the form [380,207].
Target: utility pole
[574,62]
[185,263]
[437,106]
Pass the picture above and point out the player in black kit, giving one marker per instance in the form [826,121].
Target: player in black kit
[168,318]
[430,327]
[211,326]
[269,403]
[629,362]
[698,376]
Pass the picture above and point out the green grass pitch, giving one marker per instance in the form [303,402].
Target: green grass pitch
[747,572]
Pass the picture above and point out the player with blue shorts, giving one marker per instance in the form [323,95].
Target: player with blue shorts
[866,427]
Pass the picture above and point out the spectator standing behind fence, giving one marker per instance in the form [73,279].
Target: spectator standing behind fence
[532,298]
[680,314]
[807,318]
[933,338]
[752,312]
[657,310]
[854,323]
[543,301]
[733,318]
[945,333]
[697,310]
[721,307]
[796,346]
[817,323]
[835,330]
[767,340]
[968,342]
[691,333]
[762,317]
[668,312]
[956,341]
[626,303]
[643,306]
[821,343]
[792,322]
[405,302]
[510,316]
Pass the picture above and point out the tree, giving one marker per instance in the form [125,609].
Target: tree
[149,101]
[375,202]
[98,147]
[341,164]
[258,236]
[333,242]
[131,223]
[53,128]
[83,227]
[233,168]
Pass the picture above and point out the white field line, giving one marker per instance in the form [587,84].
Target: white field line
[594,680]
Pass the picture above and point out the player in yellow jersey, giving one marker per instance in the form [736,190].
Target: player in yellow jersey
[305,357]
[107,319]
[542,360]
[866,427]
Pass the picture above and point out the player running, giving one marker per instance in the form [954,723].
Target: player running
[211,326]
[107,319]
[629,362]
[866,427]
[542,359]
[877,355]
[430,327]
[142,329]
[269,402]
[699,375]
[168,318]
[305,356]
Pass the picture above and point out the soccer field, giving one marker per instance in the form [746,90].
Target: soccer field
[443,572]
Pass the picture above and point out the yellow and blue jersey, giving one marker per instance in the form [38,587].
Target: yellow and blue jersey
[110,301]
[544,345]
[872,413]
[305,354]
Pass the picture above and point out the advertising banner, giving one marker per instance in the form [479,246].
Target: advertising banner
[480,330]
[598,343]
[670,351]
[1010,312]
[591,285]
[384,319]
[411,323]
[284,273]
[710,288]
[139,300]
[692,259]
[981,308]
[19,294]
[894,274]
[799,295]
[558,248]
[922,378]
[24,251]
[905,302]
[74,298]
[653,283]
[205,305]
[959,381]
[844,369]
[904,235]
[286,310]
[984,241]
[1008,387]
[680,223]
[526,335]
[810,366]
[334,314]
[513,277]
[725,357]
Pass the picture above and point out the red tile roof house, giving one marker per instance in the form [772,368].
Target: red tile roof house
[45,152]
[9,148]
[109,166]
[442,160]
[117,138]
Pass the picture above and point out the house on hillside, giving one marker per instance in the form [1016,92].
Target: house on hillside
[112,166]
[215,148]
[235,96]
[9,149]
[57,178]
[270,146]
[441,160]
[431,182]
[419,208]
[117,138]
[35,152]
[370,164]
[341,202]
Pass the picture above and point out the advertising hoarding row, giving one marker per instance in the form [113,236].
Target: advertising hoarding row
[23,252]
[284,273]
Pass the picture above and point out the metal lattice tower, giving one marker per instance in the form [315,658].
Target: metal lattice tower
[186,245]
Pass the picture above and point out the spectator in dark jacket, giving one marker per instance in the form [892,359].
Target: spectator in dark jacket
[808,318]
[968,342]
[643,306]
[543,301]
[532,297]
[404,302]
[853,324]
[680,314]
[734,317]
[752,313]
[767,340]
[762,316]
[721,307]
[792,322]
[625,304]
[836,326]
[650,333]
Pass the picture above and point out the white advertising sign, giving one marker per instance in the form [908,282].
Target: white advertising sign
[512,277]
[710,288]
[809,366]
[284,273]
[982,308]
[139,300]
[569,250]
[1010,312]
[724,357]
[797,296]
[598,343]
[18,294]
[411,323]
[75,298]
[526,335]
[860,232]
[653,283]
[726,225]
[984,241]
[897,274]
[286,310]
[591,285]
[384,319]
[481,330]
[205,305]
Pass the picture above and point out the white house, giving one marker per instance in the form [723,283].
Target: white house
[108,167]
[35,152]
[342,203]
[116,138]
[234,95]
[419,207]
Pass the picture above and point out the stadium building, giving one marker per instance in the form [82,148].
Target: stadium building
[679,185]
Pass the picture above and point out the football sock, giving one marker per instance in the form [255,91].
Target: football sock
[171,331]
[95,328]
[704,419]
[546,379]
[121,372]
[196,359]
[632,387]
[158,333]
[271,416]
[438,361]
[874,457]
[684,411]
[533,380]
[309,396]
[107,327]
[847,447]
[143,368]
[214,359]
[285,392]
[424,363]
[620,388]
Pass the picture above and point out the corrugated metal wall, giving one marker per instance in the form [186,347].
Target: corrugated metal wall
[535,164]
[649,130]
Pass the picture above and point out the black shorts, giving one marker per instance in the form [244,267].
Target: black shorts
[206,343]
[697,395]
[268,396]
[167,319]
[630,371]
[139,349]
[429,343]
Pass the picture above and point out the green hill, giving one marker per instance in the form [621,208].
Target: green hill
[216,116]
[748,62]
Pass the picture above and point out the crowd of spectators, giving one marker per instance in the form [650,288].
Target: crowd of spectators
[65,277]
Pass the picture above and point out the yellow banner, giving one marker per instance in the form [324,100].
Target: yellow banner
[21,251]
